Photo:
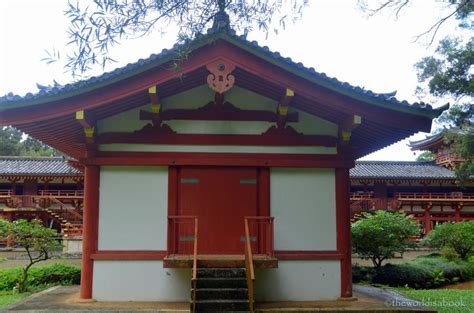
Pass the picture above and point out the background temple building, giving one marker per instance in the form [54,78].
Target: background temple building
[428,191]
[49,189]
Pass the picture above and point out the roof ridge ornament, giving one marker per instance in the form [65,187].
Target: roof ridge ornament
[221,18]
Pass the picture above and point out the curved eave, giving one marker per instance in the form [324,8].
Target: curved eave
[427,143]
[165,56]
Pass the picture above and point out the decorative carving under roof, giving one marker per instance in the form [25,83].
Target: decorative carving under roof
[220,80]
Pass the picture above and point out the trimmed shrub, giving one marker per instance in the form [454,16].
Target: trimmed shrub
[56,274]
[424,272]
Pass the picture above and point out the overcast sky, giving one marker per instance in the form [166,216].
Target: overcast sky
[334,37]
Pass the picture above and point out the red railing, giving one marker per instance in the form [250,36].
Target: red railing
[6,192]
[430,195]
[448,158]
[61,193]
[361,195]
[261,234]
[182,234]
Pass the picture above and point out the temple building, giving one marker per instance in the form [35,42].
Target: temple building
[48,189]
[228,172]
[429,191]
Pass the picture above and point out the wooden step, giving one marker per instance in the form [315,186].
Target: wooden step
[222,305]
[221,293]
[221,283]
[221,272]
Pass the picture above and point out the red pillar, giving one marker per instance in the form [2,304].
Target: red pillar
[427,220]
[90,227]
[344,229]
[9,240]
[457,213]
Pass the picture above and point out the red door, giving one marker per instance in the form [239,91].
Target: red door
[220,197]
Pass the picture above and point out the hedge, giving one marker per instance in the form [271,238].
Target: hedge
[56,274]
[424,272]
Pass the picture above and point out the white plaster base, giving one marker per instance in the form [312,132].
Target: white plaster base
[139,281]
[72,245]
[299,281]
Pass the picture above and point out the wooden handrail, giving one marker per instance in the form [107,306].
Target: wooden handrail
[249,270]
[194,279]
[195,255]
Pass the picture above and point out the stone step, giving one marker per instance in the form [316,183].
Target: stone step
[221,272]
[221,282]
[221,293]
[221,305]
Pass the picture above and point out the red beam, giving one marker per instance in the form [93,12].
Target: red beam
[226,112]
[308,255]
[113,255]
[217,159]
[205,139]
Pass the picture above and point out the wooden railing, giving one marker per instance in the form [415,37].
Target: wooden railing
[448,158]
[181,231]
[249,269]
[6,192]
[361,195]
[194,278]
[430,195]
[173,222]
[261,231]
[61,193]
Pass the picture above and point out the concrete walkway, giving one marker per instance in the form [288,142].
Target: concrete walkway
[66,299]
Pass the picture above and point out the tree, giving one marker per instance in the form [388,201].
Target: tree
[379,235]
[37,240]
[426,156]
[13,143]
[458,9]
[458,237]
[96,26]
[448,73]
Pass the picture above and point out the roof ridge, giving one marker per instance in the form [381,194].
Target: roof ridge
[201,39]
[33,158]
[393,162]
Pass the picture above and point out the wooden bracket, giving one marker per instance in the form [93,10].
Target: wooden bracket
[154,115]
[347,127]
[88,123]
[283,107]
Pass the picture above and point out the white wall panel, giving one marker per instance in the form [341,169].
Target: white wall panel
[303,202]
[139,281]
[299,281]
[133,208]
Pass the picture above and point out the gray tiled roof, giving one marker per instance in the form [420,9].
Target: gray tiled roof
[400,169]
[36,166]
[130,69]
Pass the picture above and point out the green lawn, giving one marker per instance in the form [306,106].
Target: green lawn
[443,300]
[7,298]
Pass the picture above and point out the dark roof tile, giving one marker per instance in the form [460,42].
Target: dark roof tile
[36,166]
[400,169]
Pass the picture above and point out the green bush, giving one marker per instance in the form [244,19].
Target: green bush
[449,237]
[56,274]
[424,272]
[379,235]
